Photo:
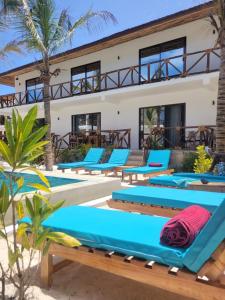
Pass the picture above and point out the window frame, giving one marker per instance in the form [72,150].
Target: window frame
[183,116]
[36,80]
[73,122]
[161,46]
[85,66]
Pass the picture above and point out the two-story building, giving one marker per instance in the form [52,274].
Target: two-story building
[162,74]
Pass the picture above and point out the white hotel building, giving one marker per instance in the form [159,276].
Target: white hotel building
[162,74]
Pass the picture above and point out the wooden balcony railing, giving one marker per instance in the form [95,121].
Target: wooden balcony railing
[204,61]
[188,137]
[118,138]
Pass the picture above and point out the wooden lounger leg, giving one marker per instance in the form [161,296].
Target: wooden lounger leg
[46,270]
[130,178]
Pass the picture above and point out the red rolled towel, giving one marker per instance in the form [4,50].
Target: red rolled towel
[181,230]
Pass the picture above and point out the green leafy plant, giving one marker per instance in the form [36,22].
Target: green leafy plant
[23,146]
[189,161]
[74,154]
[203,162]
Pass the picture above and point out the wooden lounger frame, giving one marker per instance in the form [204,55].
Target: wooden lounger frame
[143,208]
[208,284]
[147,175]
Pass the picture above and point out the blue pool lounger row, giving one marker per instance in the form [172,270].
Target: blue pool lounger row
[92,160]
[163,201]
[119,159]
[111,239]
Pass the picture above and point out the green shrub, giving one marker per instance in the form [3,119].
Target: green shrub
[188,163]
[75,154]
[203,162]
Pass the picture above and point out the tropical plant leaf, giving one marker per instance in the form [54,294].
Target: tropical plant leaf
[28,122]
[64,239]
[20,182]
[20,210]
[4,198]
[5,152]
[2,235]
[39,187]
[40,175]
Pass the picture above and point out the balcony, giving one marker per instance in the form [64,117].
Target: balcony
[189,64]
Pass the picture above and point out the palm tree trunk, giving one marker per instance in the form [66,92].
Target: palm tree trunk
[220,118]
[47,112]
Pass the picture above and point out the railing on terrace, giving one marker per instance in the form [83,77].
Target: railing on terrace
[199,62]
[188,137]
[118,138]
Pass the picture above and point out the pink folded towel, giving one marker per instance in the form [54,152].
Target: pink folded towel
[181,230]
[153,164]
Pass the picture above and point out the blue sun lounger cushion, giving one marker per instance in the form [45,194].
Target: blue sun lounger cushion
[155,156]
[169,197]
[125,233]
[171,180]
[93,156]
[118,158]
[207,240]
[136,235]
[207,176]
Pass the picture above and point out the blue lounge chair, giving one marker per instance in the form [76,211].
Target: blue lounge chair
[117,159]
[93,156]
[163,201]
[129,245]
[172,180]
[155,156]
[208,176]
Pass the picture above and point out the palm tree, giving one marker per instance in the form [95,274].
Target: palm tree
[217,18]
[45,32]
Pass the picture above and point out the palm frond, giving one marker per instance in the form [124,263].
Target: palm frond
[27,25]
[11,47]
[91,20]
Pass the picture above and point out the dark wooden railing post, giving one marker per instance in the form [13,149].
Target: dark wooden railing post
[118,78]
[149,72]
[208,61]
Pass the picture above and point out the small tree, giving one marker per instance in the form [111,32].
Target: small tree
[23,146]
[202,162]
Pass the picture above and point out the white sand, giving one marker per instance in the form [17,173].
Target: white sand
[77,282]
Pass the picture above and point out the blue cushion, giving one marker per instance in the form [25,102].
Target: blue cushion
[207,176]
[102,167]
[126,233]
[207,240]
[119,156]
[73,165]
[145,170]
[170,197]
[171,180]
[94,155]
[155,156]
[159,156]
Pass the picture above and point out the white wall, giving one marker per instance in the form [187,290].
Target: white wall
[199,36]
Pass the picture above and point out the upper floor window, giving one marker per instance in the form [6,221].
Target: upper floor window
[152,60]
[34,88]
[86,78]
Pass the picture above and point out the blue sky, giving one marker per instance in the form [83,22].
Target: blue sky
[128,13]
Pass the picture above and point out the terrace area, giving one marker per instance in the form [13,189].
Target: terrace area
[181,66]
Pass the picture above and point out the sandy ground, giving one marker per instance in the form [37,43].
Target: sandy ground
[77,282]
